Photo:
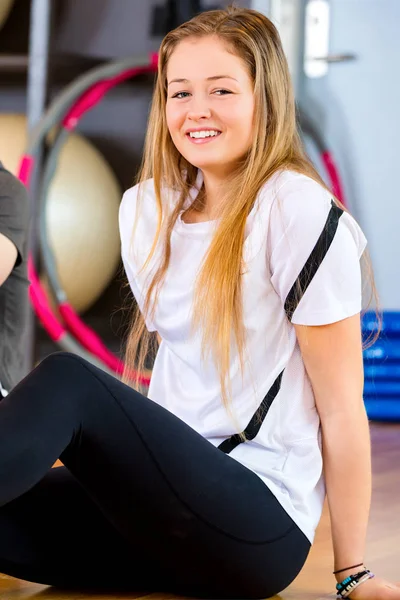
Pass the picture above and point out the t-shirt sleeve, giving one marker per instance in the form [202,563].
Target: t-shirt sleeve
[127,213]
[298,217]
[14,212]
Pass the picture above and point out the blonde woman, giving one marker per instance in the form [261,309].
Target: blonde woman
[247,272]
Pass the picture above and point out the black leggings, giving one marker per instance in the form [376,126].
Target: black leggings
[144,502]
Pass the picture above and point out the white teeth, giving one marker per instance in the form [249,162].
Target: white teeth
[203,134]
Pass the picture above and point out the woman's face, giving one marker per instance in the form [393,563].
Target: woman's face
[210,104]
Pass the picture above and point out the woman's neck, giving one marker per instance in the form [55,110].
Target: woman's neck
[198,212]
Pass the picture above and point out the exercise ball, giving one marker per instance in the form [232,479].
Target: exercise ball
[5,7]
[81,215]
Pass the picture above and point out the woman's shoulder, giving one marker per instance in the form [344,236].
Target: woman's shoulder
[131,195]
[289,196]
[301,208]
[140,196]
[139,208]
[287,184]
[146,190]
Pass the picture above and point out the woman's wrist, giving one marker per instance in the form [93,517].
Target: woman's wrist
[343,574]
[352,582]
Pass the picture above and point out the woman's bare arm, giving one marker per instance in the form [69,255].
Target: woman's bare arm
[333,358]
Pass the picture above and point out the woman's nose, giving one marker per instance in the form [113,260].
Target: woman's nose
[198,110]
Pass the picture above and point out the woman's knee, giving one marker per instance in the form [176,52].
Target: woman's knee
[57,377]
[56,359]
[62,367]
[70,366]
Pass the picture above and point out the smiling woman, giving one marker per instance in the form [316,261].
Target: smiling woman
[215,111]
[248,272]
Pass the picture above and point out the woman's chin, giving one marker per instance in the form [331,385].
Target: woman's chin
[207,163]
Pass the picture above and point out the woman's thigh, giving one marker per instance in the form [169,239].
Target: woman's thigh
[56,535]
[214,523]
[201,516]
[130,452]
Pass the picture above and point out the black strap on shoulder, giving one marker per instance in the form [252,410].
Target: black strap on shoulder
[296,293]
[314,260]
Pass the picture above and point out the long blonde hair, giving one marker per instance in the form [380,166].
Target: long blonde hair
[277,145]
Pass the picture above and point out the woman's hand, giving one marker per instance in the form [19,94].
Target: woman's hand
[376,589]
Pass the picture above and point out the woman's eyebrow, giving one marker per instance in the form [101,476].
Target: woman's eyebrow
[212,78]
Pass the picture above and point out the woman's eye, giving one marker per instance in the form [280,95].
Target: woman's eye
[179,94]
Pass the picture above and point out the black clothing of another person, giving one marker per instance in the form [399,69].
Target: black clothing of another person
[14,219]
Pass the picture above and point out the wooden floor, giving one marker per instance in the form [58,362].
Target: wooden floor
[315,582]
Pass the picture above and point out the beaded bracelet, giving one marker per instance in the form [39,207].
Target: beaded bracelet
[348,585]
[362,580]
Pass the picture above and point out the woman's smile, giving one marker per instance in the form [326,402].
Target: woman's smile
[203,136]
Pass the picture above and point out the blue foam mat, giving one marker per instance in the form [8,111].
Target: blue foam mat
[383,351]
[382,372]
[383,410]
[382,389]
[390,323]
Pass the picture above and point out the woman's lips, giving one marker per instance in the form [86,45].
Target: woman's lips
[205,140]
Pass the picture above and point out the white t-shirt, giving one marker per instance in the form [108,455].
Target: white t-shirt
[282,229]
